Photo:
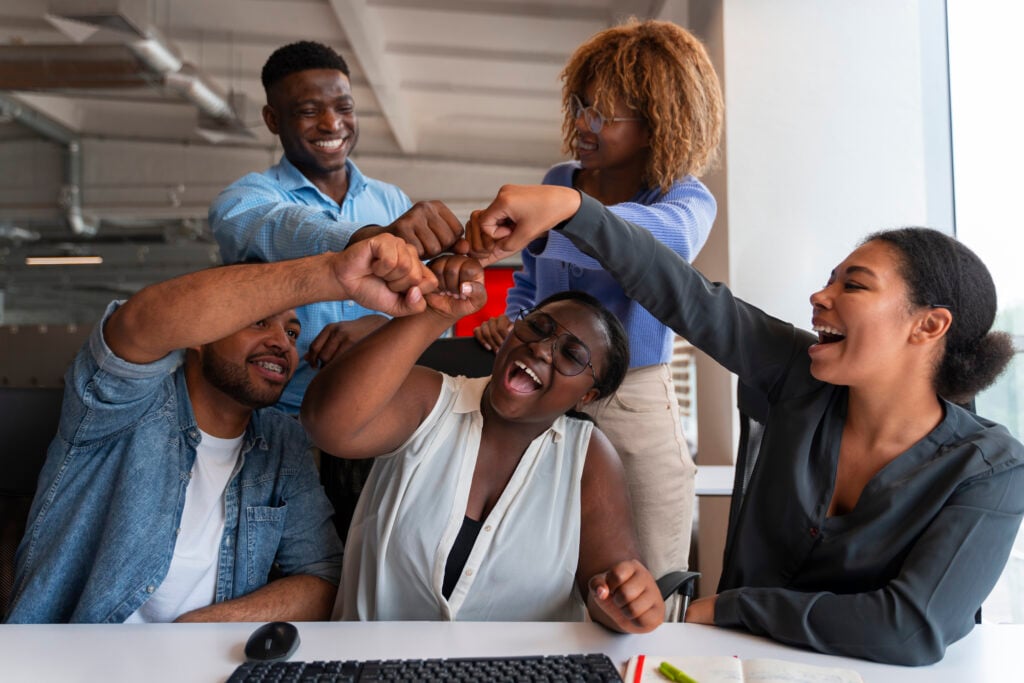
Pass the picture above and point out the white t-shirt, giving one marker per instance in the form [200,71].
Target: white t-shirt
[523,564]
[192,577]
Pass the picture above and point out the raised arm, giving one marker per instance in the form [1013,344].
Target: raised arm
[382,273]
[370,399]
[744,339]
[619,590]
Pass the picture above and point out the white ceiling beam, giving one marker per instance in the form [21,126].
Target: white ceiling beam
[368,42]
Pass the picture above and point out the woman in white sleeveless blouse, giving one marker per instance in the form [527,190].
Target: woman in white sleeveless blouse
[486,502]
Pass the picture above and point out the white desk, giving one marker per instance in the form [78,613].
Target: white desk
[210,652]
[714,480]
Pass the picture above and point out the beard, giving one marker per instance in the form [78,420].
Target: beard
[234,381]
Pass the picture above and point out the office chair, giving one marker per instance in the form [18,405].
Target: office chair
[30,417]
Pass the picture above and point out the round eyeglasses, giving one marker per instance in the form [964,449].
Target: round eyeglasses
[569,355]
[594,119]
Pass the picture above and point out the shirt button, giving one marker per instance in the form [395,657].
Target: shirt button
[487,528]
[177,531]
[150,589]
[469,572]
[813,531]
[227,541]
[576,271]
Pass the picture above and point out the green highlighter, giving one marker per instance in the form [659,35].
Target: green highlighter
[674,674]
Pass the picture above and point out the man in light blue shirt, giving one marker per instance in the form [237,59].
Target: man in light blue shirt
[166,410]
[316,199]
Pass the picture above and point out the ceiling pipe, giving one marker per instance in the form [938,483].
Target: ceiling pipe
[128,19]
[70,198]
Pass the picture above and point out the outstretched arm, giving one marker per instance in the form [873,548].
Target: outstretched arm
[620,592]
[382,273]
[370,399]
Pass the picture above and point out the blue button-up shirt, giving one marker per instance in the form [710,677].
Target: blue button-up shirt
[680,219]
[279,214]
[103,524]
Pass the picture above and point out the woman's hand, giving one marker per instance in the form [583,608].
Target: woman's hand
[702,611]
[460,286]
[337,337]
[517,216]
[491,333]
[626,598]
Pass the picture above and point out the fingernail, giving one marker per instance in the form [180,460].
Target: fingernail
[467,288]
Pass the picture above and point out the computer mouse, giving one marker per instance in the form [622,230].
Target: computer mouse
[272,642]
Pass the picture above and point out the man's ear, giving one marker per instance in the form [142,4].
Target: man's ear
[932,326]
[587,398]
[270,118]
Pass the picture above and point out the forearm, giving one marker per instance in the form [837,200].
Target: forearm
[364,385]
[200,307]
[705,313]
[292,598]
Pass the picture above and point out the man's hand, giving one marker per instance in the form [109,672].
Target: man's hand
[628,597]
[337,337]
[384,273]
[460,286]
[517,216]
[491,333]
[430,227]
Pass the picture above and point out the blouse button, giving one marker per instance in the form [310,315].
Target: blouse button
[487,528]
[813,531]
[469,572]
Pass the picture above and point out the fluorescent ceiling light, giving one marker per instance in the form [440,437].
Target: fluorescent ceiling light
[63,260]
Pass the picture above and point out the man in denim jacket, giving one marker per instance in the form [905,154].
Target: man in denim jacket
[171,489]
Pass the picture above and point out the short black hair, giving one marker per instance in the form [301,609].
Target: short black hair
[300,56]
[617,354]
[941,271]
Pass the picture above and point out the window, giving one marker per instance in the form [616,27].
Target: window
[987,108]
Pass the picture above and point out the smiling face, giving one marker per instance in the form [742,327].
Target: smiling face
[526,387]
[252,366]
[618,145]
[313,113]
[864,320]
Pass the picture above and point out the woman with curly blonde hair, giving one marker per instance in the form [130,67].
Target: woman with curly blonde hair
[643,116]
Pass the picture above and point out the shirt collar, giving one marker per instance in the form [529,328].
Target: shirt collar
[291,179]
[468,401]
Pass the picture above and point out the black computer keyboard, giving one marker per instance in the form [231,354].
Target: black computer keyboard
[596,668]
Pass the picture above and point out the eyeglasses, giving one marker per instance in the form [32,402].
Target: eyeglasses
[569,355]
[594,119]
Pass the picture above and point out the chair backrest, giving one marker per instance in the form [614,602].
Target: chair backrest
[458,356]
[753,410]
[28,425]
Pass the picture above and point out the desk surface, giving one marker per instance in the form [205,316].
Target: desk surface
[210,652]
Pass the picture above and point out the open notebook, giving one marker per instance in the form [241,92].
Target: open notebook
[644,669]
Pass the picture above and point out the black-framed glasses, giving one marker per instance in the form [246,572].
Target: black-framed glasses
[569,355]
[594,119]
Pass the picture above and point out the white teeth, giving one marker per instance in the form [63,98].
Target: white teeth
[827,330]
[273,367]
[528,371]
[328,144]
[585,146]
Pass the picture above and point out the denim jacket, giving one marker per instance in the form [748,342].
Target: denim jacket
[103,523]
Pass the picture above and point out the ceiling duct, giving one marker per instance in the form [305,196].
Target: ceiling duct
[127,21]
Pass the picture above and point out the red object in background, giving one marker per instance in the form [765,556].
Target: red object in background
[497,280]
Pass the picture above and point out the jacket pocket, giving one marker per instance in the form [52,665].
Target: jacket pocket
[264,526]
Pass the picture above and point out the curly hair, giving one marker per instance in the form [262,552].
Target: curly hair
[663,72]
[941,272]
[300,56]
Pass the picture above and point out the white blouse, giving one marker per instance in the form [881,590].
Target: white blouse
[523,564]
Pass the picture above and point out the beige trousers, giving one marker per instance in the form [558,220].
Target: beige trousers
[641,420]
